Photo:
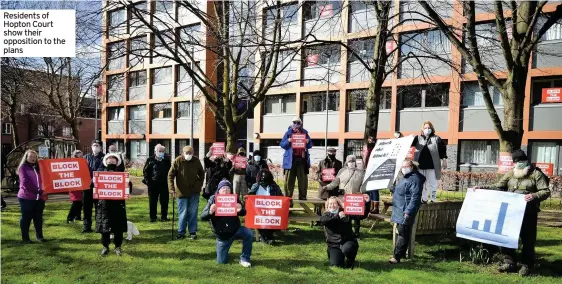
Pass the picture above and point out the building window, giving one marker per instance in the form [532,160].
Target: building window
[137,79]
[116,55]
[189,37]
[357,99]
[544,152]
[289,16]
[162,111]
[554,33]
[138,148]
[433,42]
[539,84]
[165,7]
[479,152]
[280,104]
[139,51]
[424,96]
[184,110]
[321,9]
[322,55]
[316,102]
[6,128]
[183,76]
[117,22]
[165,47]
[137,112]
[162,76]
[66,131]
[42,133]
[473,96]
[115,88]
[116,114]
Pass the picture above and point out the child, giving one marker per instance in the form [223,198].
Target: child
[74,214]
[265,185]
[111,215]
[228,228]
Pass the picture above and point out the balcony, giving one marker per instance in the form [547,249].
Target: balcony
[161,126]
[356,121]
[162,91]
[546,117]
[137,93]
[183,125]
[477,119]
[277,123]
[115,96]
[185,89]
[318,75]
[115,127]
[325,28]
[316,121]
[411,119]
[137,126]
[547,54]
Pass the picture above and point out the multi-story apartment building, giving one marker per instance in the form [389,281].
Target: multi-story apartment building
[149,110]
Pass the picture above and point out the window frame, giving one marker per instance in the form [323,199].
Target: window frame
[137,109]
[135,77]
[490,153]
[111,113]
[162,111]
[422,92]
[386,99]
[155,75]
[7,128]
[282,101]
[312,100]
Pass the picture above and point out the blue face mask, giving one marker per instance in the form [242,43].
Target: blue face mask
[335,211]
[257,158]
[160,155]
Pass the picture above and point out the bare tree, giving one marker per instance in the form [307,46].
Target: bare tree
[13,87]
[528,26]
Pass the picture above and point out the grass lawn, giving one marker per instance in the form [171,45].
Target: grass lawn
[152,257]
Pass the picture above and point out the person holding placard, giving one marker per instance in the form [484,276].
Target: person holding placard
[111,215]
[341,241]
[75,197]
[431,155]
[239,173]
[228,228]
[30,197]
[265,185]
[406,201]
[95,163]
[216,169]
[532,182]
[296,159]
[325,169]
[155,173]
[349,181]
[256,164]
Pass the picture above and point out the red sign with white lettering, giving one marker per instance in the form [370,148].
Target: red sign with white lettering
[240,162]
[226,205]
[328,174]
[111,185]
[64,175]
[411,153]
[546,168]
[326,10]
[267,212]
[505,163]
[218,149]
[390,45]
[552,95]
[354,204]
[312,60]
[298,141]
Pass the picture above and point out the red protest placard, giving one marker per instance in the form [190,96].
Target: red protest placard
[354,204]
[505,163]
[218,149]
[298,141]
[411,153]
[328,174]
[64,175]
[546,168]
[226,205]
[240,162]
[390,46]
[267,212]
[552,95]
[111,185]
[326,10]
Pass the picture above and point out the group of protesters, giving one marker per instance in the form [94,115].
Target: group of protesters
[186,178]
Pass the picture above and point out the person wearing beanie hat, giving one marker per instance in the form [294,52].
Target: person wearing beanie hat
[238,173]
[216,169]
[531,182]
[95,163]
[256,164]
[228,228]
[296,161]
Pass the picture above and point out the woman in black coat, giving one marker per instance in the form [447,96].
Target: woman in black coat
[341,241]
[111,215]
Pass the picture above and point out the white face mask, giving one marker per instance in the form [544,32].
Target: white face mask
[427,131]
[257,158]
[334,211]
[351,165]
[406,171]
[96,149]
[188,157]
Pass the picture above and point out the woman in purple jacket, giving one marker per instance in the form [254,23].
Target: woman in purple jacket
[31,197]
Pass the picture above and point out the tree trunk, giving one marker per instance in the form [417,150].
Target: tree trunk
[76,130]
[513,98]
[14,122]
[373,107]
[231,139]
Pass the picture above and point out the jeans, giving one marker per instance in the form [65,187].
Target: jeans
[223,246]
[297,172]
[374,195]
[239,186]
[75,211]
[430,185]
[156,192]
[337,255]
[187,214]
[117,239]
[528,237]
[31,210]
[402,241]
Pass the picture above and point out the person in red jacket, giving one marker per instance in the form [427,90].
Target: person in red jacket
[75,212]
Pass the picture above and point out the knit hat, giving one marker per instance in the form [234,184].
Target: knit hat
[224,182]
[96,141]
[519,155]
[109,155]
[257,153]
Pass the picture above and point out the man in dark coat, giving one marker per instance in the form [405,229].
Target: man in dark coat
[255,165]
[95,163]
[111,215]
[329,163]
[155,173]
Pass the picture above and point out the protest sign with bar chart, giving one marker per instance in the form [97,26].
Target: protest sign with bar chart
[492,217]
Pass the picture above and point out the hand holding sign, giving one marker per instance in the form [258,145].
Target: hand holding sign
[226,205]
[298,141]
[212,209]
[218,149]
[354,204]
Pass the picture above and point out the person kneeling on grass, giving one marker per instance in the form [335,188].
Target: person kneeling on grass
[265,185]
[340,238]
[111,215]
[228,228]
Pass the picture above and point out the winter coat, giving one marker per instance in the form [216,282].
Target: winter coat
[224,227]
[235,171]
[188,177]
[274,189]
[111,216]
[288,155]
[406,198]
[30,182]
[95,163]
[76,195]
[348,181]
[328,164]
[252,171]
[214,173]
[535,183]
[337,230]
[155,172]
[436,147]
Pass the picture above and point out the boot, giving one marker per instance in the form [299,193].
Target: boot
[374,207]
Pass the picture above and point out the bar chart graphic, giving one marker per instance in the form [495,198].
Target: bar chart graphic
[492,217]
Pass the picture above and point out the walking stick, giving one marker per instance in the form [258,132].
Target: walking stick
[173,213]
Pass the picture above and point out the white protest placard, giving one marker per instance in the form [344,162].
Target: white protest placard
[385,162]
[492,217]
